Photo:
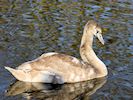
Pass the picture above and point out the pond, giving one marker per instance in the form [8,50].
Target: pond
[30,28]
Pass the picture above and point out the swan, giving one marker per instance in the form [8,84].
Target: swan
[60,68]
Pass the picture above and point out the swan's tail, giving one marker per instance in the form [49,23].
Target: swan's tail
[9,69]
[18,74]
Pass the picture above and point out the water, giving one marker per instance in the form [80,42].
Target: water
[32,27]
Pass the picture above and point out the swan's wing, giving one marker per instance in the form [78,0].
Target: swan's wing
[50,60]
[27,65]
[57,57]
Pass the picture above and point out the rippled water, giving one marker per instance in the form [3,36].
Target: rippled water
[32,27]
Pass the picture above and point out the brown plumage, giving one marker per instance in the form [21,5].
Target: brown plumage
[60,68]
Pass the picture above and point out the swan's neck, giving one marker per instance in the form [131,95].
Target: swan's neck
[89,56]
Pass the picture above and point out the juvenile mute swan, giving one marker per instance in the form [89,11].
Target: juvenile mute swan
[61,68]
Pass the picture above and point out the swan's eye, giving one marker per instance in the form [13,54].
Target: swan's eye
[97,32]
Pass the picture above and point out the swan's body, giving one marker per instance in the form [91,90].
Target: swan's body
[60,68]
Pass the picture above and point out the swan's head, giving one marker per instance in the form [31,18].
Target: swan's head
[95,29]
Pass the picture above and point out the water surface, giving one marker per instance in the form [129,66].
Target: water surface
[30,28]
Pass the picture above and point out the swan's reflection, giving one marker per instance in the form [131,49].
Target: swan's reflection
[54,91]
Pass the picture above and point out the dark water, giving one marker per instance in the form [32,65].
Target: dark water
[32,27]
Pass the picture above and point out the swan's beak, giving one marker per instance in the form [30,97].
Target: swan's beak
[99,36]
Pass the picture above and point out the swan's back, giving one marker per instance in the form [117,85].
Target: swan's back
[69,68]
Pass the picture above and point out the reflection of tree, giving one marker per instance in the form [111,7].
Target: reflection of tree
[56,92]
